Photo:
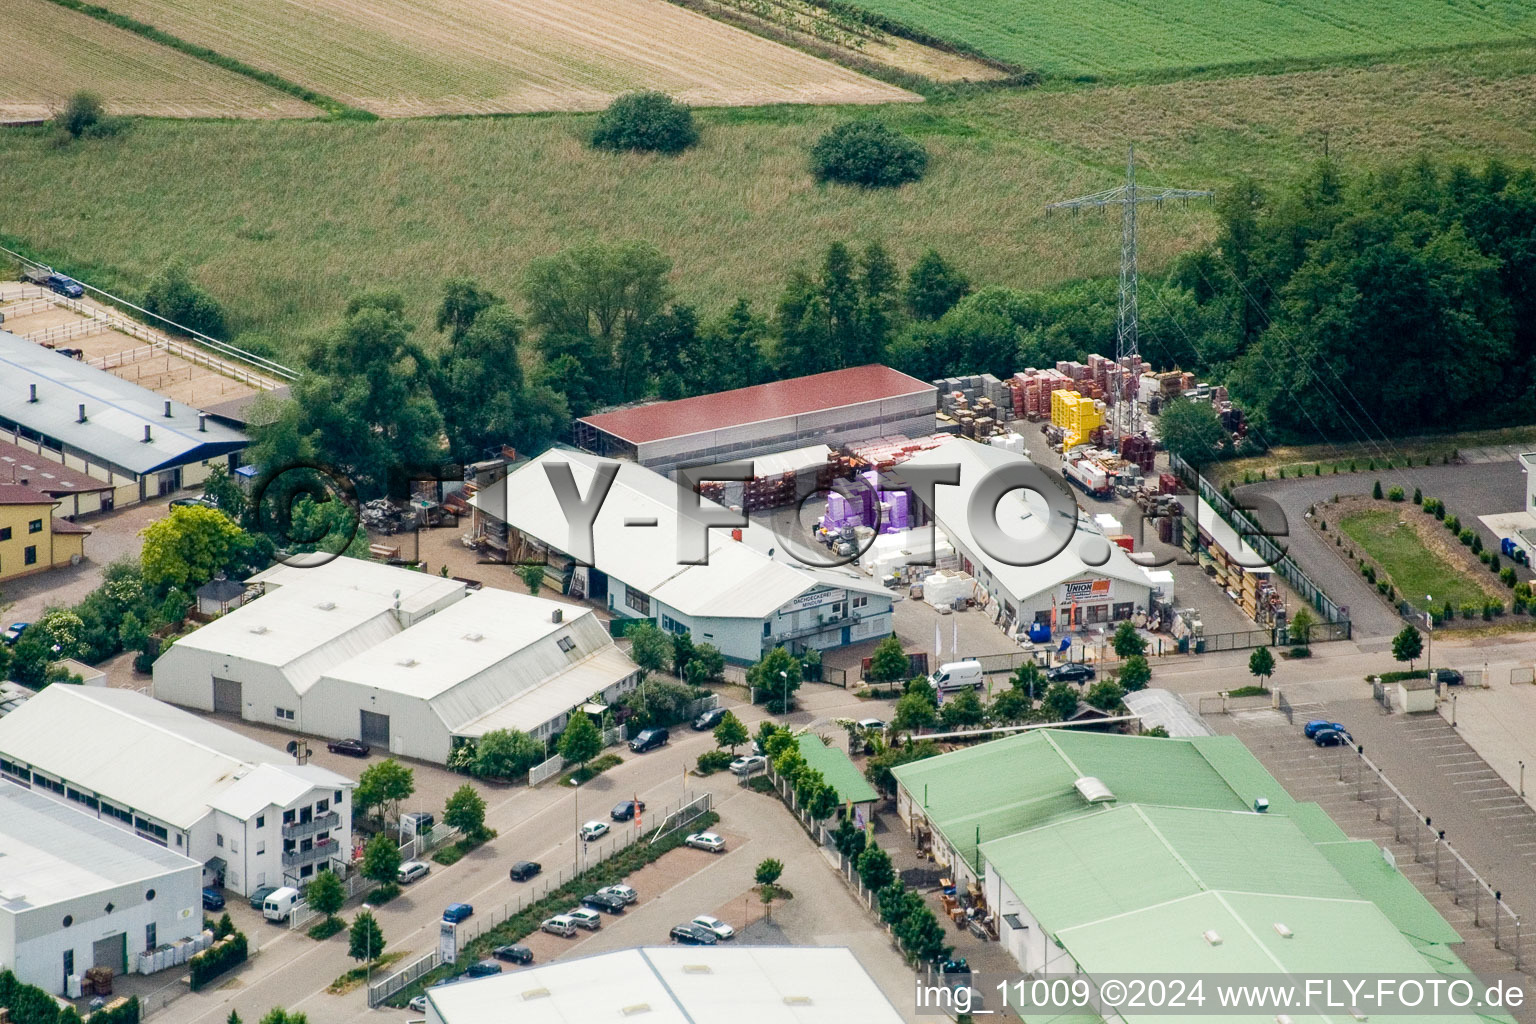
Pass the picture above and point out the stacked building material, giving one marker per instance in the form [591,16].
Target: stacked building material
[1032,392]
[1138,450]
[1076,414]
[769,492]
[886,452]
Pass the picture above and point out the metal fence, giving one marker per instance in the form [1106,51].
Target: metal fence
[1522,674]
[421,845]
[302,913]
[547,770]
[1262,543]
[1410,828]
[671,818]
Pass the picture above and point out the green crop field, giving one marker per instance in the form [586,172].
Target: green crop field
[282,221]
[1113,37]
[1414,569]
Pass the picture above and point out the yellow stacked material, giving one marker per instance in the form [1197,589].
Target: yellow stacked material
[1077,415]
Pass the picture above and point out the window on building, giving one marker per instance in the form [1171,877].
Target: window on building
[261,821]
[767,629]
[306,870]
[283,714]
[261,848]
[338,796]
[288,817]
[671,625]
[35,526]
[1098,613]
[637,601]
[234,845]
[321,806]
[861,602]
[29,555]
[566,644]
[5,533]
[321,837]
[1123,611]
[218,839]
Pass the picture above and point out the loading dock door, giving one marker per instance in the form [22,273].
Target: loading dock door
[226,696]
[374,728]
[112,952]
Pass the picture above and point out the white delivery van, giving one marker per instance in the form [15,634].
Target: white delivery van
[957,675]
[279,903]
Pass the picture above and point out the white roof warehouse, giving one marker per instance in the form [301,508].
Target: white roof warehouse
[400,659]
[77,893]
[742,600]
[236,806]
[111,428]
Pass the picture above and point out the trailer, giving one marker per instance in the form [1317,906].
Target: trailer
[1091,477]
[47,277]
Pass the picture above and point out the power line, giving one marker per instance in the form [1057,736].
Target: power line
[1127,333]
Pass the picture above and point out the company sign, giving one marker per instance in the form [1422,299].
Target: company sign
[814,599]
[1085,590]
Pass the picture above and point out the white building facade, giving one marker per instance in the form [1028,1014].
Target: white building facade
[242,810]
[76,893]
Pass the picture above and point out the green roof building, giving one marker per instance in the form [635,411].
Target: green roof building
[840,772]
[1108,854]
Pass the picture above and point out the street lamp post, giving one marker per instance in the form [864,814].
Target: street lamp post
[1429,650]
[784,675]
[1522,778]
[368,971]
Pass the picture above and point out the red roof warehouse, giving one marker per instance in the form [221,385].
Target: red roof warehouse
[825,408]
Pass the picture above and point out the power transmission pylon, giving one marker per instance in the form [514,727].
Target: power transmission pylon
[1127,197]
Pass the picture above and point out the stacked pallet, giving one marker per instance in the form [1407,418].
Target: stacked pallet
[1031,392]
[885,452]
[1260,599]
[761,493]
[1138,451]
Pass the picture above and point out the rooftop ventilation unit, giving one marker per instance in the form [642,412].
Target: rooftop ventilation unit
[81,418]
[1283,931]
[259,630]
[698,969]
[147,436]
[326,606]
[536,993]
[1092,790]
[557,616]
[474,638]
[797,1000]
[1212,936]
[407,663]
[31,392]
[167,408]
[1260,805]
[636,1009]
[202,422]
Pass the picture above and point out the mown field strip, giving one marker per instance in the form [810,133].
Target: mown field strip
[421,57]
[50,52]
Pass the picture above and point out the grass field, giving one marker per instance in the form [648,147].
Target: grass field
[284,220]
[1299,460]
[416,57]
[1112,37]
[1414,568]
[50,52]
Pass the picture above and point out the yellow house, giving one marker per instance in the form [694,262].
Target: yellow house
[32,539]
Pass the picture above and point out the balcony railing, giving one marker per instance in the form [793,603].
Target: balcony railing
[321,823]
[323,850]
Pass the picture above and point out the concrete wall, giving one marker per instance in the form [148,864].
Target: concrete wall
[1030,946]
[331,709]
[32,942]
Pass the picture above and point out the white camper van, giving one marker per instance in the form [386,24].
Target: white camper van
[279,903]
[957,675]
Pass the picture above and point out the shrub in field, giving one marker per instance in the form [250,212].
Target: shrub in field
[84,117]
[1466,537]
[1453,523]
[173,295]
[1507,576]
[1470,610]
[646,121]
[867,153]
[1395,494]
[1376,490]
[714,760]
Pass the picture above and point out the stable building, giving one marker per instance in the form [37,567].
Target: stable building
[746,598]
[404,661]
[32,539]
[108,428]
[243,811]
[1089,582]
[1112,855]
[830,408]
[677,985]
[75,493]
[76,893]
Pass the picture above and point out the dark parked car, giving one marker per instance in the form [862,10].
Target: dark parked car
[1075,672]
[709,719]
[213,899]
[604,902]
[694,935]
[513,954]
[649,739]
[482,968]
[259,896]
[1317,725]
[1449,676]
[351,748]
[624,810]
[201,501]
[1331,738]
[524,870]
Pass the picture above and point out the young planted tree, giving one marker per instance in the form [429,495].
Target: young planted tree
[778,677]
[889,662]
[366,940]
[822,803]
[1300,627]
[767,877]
[1059,702]
[465,811]
[963,709]
[1408,646]
[580,742]
[381,860]
[532,577]
[1261,665]
[875,868]
[1128,641]
[730,733]
[1136,673]
[384,785]
[649,647]
[326,894]
[914,711]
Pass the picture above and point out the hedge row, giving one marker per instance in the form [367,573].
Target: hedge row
[228,952]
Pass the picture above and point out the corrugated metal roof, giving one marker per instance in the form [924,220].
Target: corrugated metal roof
[1165,708]
[116,411]
[676,985]
[18,465]
[417,591]
[530,707]
[839,772]
[798,396]
[51,852]
[738,579]
[1021,516]
[1361,862]
[133,750]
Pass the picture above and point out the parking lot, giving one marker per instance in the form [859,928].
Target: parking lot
[1427,760]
